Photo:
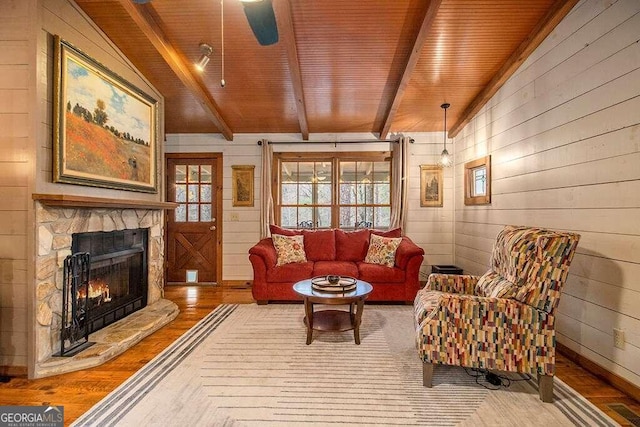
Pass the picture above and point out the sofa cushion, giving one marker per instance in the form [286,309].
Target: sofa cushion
[375,273]
[351,245]
[290,272]
[320,245]
[341,268]
[396,232]
[290,249]
[382,250]
[275,229]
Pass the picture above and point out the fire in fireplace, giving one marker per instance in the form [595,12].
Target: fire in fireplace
[118,274]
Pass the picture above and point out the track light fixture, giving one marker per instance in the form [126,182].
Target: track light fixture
[205,51]
[445,158]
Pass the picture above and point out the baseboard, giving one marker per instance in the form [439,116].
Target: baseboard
[237,284]
[597,370]
[13,371]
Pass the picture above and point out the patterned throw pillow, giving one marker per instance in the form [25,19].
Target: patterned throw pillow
[382,250]
[289,249]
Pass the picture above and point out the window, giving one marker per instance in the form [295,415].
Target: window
[477,182]
[333,190]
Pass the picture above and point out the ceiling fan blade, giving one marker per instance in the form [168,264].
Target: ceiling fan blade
[262,20]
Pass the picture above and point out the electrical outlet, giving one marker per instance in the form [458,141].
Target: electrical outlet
[235,216]
[618,338]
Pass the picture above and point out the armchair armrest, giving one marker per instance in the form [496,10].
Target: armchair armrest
[485,332]
[452,283]
[265,250]
[405,251]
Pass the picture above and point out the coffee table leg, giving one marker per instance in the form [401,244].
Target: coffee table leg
[356,324]
[308,309]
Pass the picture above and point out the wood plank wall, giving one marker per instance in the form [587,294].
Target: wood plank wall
[16,164]
[430,228]
[26,140]
[564,136]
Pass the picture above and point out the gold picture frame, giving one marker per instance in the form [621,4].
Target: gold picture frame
[242,184]
[477,181]
[105,129]
[431,177]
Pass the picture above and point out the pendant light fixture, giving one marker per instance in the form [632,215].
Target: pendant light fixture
[445,158]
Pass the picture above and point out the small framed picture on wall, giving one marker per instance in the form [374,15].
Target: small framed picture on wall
[242,185]
[430,185]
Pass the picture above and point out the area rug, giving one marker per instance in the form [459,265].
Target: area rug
[249,365]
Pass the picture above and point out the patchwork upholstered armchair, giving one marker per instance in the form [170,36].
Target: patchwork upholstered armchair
[505,319]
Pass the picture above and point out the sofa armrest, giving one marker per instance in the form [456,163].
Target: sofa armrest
[452,283]
[265,249]
[405,251]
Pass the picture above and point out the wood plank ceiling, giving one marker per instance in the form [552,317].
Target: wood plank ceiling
[374,66]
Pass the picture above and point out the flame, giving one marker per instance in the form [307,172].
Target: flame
[97,288]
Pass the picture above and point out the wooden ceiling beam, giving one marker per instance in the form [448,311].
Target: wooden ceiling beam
[543,28]
[151,29]
[285,24]
[421,39]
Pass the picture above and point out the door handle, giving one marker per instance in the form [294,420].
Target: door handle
[212,228]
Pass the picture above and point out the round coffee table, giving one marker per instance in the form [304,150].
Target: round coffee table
[333,320]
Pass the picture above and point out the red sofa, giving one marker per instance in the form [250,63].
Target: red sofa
[336,252]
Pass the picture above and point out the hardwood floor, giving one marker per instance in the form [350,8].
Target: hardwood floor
[78,391]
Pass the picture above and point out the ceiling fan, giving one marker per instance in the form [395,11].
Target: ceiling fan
[260,16]
[262,20]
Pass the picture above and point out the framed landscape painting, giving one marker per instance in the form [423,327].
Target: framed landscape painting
[430,185]
[105,129]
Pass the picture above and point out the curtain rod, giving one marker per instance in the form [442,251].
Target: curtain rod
[332,142]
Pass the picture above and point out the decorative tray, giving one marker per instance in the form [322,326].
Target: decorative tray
[344,284]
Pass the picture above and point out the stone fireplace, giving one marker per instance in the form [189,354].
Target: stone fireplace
[56,228]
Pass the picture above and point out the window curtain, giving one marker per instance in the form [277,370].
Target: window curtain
[399,184]
[266,201]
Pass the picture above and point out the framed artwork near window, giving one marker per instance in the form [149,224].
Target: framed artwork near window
[105,128]
[477,181]
[242,184]
[431,185]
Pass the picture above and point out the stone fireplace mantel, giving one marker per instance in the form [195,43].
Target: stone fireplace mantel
[58,217]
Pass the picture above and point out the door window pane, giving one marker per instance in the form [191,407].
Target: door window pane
[194,173]
[193,193]
[192,213]
[181,193]
[181,213]
[181,173]
[205,193]
[205,173]
[205,213]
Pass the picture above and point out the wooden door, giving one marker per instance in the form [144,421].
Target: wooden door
[194,234]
